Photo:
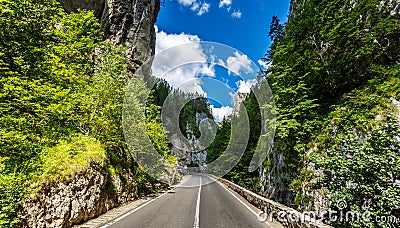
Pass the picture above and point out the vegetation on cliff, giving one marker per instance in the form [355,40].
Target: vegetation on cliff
[335,67]
[61,98]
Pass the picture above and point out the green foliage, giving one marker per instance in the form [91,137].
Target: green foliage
[43,72]
[13,190]
[144,182]
[334,58]
[70,157]
[239,174]
[61,97]
[220,142]
[365,173]
[301,185]
[102,101]
[155,129]
[188,124]
[45,65]
[187,118]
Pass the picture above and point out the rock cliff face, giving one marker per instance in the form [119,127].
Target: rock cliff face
[85,196]
[68,203]
[126,22]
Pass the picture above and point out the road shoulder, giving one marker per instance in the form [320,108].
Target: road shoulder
[117,212]
[254,209]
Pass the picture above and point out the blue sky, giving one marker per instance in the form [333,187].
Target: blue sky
[243,25]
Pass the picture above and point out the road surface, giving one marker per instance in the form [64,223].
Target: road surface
[198,202]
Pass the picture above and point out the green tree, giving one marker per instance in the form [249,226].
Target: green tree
[327,49]
[365,173]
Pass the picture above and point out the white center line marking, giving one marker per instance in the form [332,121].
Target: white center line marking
[197,217]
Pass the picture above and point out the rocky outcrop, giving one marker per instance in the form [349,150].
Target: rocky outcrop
[272,180]
[65,204]
[85,196]
[73,5]
[125,22]
[396,104]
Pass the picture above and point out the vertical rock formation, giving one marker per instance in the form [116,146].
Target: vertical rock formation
[84,196]
[131,23]
[125,22]
[68,203]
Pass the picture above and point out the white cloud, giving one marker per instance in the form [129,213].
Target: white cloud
[184,78]
[207,70]
[220,113]
[263,64]
[245,86]
[177,65]
[237,64]
[226,3]
[237,14]
[205,7]
[186,2]
[165,41]
[195,6]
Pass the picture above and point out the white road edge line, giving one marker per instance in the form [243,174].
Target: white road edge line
[249,208]
[138,208]
[197,216]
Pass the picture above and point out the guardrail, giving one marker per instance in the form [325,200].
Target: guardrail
[273,211]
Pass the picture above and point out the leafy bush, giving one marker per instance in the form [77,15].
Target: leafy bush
[365,172]
[13,190]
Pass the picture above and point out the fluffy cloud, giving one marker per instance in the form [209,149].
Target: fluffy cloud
[220,113]
[184,78]
[177,65]
[237,14]
[165,41]
[263,64]
[205,7]
[186,2]
[245,86]
[237,64]
[226,3]
[196,5]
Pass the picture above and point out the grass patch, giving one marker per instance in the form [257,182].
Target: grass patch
[70,157]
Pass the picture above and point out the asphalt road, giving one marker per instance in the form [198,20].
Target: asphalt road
[197,202]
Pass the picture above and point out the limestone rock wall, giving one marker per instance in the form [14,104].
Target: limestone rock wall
[125,22]
[67,203]
[85,196]
[96,5]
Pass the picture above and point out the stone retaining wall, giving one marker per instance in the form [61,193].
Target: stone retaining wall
[287,216]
